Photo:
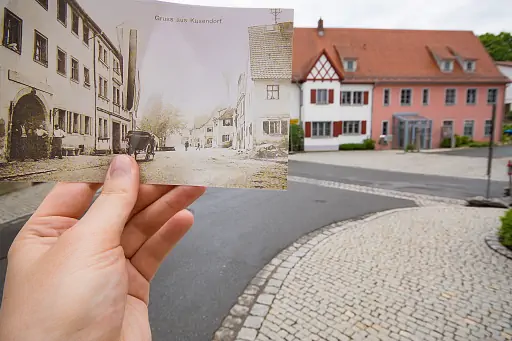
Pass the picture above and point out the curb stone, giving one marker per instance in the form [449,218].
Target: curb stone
[493,242]
[246,316]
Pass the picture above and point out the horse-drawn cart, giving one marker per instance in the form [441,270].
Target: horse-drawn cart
[141,142]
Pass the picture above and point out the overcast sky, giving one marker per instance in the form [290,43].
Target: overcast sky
[479,16]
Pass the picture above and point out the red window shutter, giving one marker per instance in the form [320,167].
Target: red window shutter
[313,96]
[307,129]
[337,128]
[331,96]
[366,95]
[363,127]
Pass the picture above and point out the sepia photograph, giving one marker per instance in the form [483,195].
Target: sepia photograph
[197,95]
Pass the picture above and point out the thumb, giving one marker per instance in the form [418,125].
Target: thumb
[105,220]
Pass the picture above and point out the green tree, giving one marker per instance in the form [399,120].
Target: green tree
[499,46]
[162,120]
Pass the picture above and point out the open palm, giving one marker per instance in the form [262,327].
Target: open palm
[72,276]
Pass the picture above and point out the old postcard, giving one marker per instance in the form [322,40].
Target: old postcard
[197,95]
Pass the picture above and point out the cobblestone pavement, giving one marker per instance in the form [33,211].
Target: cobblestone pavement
[205,167]
[417,163]
[411,274]
[66,164]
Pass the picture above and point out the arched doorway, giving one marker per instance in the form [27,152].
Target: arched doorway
[28,111]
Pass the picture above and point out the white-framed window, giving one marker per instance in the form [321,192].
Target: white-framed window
[74,70]
[492,96]
[62,11]
[69,128]
[349,65]
[116,95]
[61,62]
[12,37]
[321,129]
[275,127]
[488,128]
[226,138]
[227,122]
[76,123]
[469,65]
[209,129]
[87,77]
[105,128]
[40,48]
[87,125]
[352,127]
[469,127]
[85,33]
[385,128]
[43,3]
[447,65]
[425,98]
[75,22]
[322,96]
[116,66]
[358,97]
[386,97]
[406,97]
[105,88]
[346,97]
[272,92]
[450,96]
[471,96]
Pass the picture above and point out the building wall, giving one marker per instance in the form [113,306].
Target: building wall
[336,112]
[20,72]
[507,71]
[265,111]
[437,110]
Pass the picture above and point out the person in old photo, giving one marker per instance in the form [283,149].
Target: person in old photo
[23,142]
[40,143]
[58,136]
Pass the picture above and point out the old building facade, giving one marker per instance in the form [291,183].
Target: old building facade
[57,67]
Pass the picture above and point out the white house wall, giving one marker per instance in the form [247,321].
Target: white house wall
[507,71]
[335,112]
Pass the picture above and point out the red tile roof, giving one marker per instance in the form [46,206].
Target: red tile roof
[394,55]
[504,63]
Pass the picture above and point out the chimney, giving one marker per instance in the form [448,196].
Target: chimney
[320,27]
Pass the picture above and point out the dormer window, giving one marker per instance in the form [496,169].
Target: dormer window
[469,65]
[447,65]
[350,65]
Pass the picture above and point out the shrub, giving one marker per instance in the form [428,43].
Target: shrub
[352,146]
[461,141]
[476,144]
[505,232]
[296,138]
[446,143]
[410,147]
[369,144]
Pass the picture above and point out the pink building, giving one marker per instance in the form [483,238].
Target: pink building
[432,83]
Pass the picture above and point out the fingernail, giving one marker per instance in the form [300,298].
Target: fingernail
[121,167]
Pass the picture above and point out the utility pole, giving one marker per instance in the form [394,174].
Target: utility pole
[275,13]
[491,150]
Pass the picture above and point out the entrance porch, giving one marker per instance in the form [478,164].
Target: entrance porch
[407,128]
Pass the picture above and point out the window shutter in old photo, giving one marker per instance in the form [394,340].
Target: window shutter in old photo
[266,125]
[366,95]
[337,128]
[363,127]
[313,96]
[307,129]
[331,96]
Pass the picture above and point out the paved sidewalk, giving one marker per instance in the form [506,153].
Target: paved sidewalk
[417,163]
[412,274]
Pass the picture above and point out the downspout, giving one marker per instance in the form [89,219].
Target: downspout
[95,96]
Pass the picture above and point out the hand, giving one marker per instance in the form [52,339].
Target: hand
[71,278]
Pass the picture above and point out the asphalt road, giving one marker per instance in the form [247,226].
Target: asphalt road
[458,188]
[236,233]
[498,153]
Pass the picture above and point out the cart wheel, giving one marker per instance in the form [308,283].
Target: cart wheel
[135,155]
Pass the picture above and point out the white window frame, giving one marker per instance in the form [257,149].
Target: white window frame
[346,64]
[400,97]
[469,62]
[273,91]
[446,96]
[447,62]
[472,128]
[382,127]
[476,96]
[318,92]
[495,97]
[387,92]
[87,84]
[345,126]
[487,126]
[229,138]
[349,94]
[44,62]
[75,14]
[324,124]
[77,79]
[63,74]
[423,96]
[360,99]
